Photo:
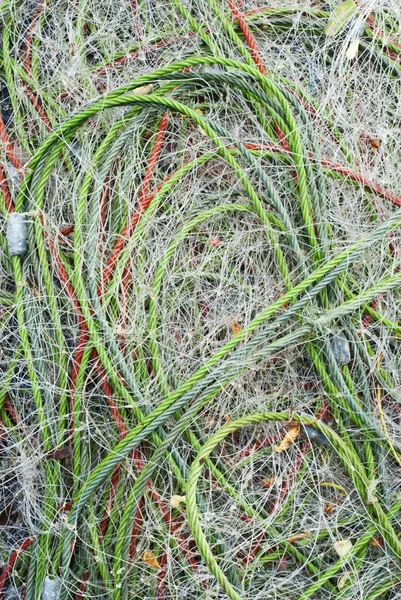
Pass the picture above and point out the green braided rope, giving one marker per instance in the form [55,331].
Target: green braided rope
[347,456]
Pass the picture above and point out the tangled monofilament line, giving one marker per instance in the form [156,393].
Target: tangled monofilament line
[200,274]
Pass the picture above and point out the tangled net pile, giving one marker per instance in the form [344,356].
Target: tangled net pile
[200,364]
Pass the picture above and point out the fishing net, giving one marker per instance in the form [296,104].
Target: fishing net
[199,300]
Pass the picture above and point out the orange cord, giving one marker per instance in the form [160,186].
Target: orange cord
[11,562]
[143,202]
[248,36]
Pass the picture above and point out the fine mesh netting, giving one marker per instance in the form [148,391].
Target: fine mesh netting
[199,299]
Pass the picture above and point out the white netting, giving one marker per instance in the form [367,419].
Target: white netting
[163,222]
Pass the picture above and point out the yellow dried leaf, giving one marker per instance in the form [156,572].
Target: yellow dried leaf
[353,48]
[370,496]
[143,90]
[289,438]
[299,536]
[148,558]
[340,17]
[202,131]
[268,483]
[342,581]
[177,500]
[343,547]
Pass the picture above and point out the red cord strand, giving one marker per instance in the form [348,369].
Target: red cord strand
[11,562]
[144,200]
[248,36]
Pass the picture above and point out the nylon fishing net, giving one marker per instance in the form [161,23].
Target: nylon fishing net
[199,299]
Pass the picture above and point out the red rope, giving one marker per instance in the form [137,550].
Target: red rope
[136,530]
[82,587]
[8,146]
[112,493]
[8,406]
[8,201]
[137,22]
[370,19]
[161,576]
[106,387]
[126,58]
[248,36]
[346,171]
[29,37]
[375,187]
[11,562]
[143,203]
[37,106]
[126,276]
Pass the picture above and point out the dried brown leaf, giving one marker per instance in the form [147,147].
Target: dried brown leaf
[299,536]
[148,558]
[269,482]
[235,327]
[376,542]
[289,438]
[375,144]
